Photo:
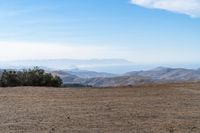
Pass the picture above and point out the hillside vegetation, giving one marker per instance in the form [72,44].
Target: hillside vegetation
[30,77]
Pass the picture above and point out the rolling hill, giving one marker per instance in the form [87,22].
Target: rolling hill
[101,79]
[157,75]
[169,74]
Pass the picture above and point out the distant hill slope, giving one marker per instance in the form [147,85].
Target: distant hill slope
[169,74]
[83,73]
[90,74]
[158,75]
[117,81]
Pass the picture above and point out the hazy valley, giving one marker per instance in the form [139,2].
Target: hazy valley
[80,72]
[154,76]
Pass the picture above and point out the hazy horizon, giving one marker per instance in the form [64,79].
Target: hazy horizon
[115,66]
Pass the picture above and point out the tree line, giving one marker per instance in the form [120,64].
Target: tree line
[30,77]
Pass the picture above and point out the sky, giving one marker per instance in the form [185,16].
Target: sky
[141,31]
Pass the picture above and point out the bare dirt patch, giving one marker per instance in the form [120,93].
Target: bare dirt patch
[145,109]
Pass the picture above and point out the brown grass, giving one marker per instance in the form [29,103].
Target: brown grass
[145,109]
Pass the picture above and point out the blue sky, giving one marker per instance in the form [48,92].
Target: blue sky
[135,30]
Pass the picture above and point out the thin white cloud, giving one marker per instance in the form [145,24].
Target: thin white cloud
[188,7]
[26,50]
[23,51]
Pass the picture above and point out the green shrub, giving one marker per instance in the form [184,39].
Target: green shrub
[30,77]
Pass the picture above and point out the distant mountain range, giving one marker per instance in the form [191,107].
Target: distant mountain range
[99,65]
[157,75]
[106,72]
[99,79]
[116,66]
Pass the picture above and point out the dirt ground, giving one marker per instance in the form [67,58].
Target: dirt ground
[145,109]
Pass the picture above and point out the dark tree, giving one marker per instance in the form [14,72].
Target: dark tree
[31,77]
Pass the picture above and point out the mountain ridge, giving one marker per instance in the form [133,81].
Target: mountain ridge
[154,76]
[157,75]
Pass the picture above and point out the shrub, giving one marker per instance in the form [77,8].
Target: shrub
[30,77]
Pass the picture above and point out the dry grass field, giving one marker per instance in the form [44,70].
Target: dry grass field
[146,109]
